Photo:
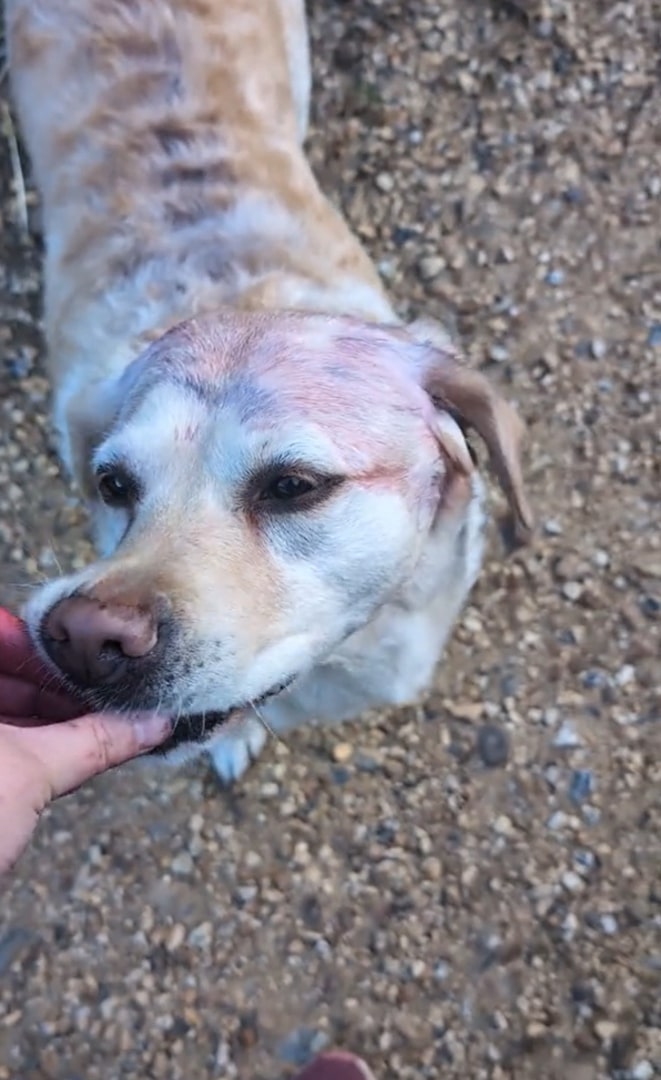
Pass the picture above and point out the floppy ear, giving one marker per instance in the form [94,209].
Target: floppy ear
[470,397]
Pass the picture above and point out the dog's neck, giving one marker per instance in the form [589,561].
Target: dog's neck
[245,245]
[172,175]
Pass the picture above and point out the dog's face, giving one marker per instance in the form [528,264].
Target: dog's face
[261,486]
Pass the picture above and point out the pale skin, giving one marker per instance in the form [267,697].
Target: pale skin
[47,748]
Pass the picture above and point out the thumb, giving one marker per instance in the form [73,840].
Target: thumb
[74,751]
[38,764]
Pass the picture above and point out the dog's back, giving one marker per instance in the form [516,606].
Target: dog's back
[165,139]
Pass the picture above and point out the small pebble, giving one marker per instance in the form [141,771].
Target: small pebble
[585,861]
[601,559]
[245,893]
[366,763]
[570,926]
[654,336]
[301,1045]
[598,348]
[432,868]
[572,881]
[557,821]
[385,182]
[536,1030]
[493,745]
[566,737]
[625,675]
[342,752]
[594,679]
[14,943]
[644,1070]
[176,937]
[430,267]
[182,864]
[606,1030]
[223,1061]
[201,936]
[555,277]
[609,924]
[503,825]
[340,775]
[581,785]
[499,354]
[572,590]
[552,776]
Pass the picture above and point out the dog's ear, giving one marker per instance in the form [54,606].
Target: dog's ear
[470,397]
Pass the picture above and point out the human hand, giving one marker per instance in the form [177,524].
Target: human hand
[47,747]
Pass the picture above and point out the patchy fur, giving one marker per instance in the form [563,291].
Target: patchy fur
[214,329]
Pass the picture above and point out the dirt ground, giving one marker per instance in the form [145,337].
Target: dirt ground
[471,888]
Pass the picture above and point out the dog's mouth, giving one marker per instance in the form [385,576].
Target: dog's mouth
[196,728]
[199,727]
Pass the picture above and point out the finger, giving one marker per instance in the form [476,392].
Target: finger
[76,750]
[24,700]
[17,654]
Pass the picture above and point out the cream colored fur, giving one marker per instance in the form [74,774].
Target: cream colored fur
[166,142]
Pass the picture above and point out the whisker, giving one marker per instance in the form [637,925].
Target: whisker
[56,560]
[52,680]
[23,664]
[178,717]
[265,724]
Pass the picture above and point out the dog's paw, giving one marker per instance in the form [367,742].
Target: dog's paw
[235,749]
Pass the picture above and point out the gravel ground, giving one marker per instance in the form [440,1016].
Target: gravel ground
[471,888]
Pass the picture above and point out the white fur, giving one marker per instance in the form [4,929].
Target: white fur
[350,604]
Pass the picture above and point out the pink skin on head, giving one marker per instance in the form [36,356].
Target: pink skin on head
[356,382]
[358,386]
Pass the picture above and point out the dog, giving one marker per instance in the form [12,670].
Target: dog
[288,513]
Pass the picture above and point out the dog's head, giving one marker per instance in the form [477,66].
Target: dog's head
[261,485]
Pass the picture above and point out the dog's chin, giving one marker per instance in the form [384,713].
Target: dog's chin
[195,729]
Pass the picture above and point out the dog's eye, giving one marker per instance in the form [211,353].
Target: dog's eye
[288,488]
[276,489]
[116,487]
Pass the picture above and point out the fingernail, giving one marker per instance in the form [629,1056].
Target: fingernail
[151,728]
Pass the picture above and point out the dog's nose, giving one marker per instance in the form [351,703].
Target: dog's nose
[92,642]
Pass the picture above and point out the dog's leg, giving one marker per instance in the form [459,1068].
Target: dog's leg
[236,747]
